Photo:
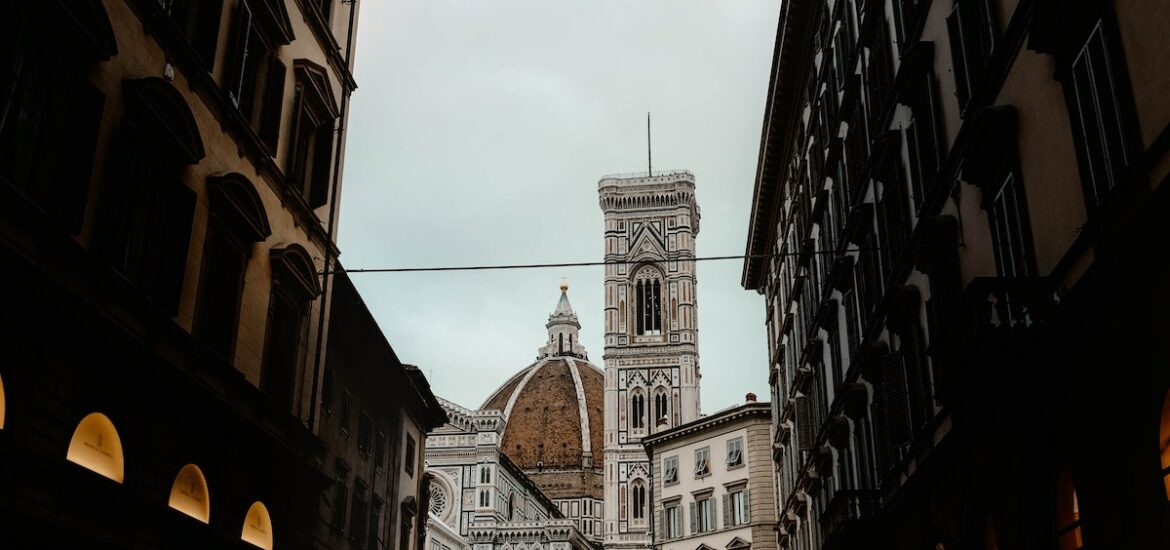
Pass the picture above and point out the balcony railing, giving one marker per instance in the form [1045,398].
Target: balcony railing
[849,507]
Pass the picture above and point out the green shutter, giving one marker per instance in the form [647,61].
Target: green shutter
[726,511]
[747,505]
[694,519]
[661,524]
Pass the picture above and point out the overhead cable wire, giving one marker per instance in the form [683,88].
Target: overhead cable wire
[498,267]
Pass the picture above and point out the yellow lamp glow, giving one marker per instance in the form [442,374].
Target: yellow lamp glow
[189,494]
[96,447]
[258,527]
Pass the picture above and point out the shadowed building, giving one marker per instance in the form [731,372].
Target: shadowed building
[958,230]
[169,177]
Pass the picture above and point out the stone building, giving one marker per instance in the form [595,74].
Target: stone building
[651,334]
[169,179]
[527,464]
[957,228]
[374,416]
[713,483]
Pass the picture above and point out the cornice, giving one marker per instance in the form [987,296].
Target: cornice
[726,416]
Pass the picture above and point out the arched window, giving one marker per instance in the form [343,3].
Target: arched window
[1068,514]
[258,526]
[638,499]
[660,406]
[189,494]
[145,225]
[96,446]
[637,410]
[294,286]
[485,474]
[648,289]
[3,404]
[1165,442]
[238,220]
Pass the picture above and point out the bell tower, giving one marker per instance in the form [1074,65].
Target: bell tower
[651,334]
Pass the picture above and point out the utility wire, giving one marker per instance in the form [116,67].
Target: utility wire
[616,262]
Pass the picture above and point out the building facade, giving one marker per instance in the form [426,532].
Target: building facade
[375,414]
[169,176]
[956,230]
[482,500]
[526,466]
[713,482]
[651,333]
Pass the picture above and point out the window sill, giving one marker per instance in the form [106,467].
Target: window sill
[735,466]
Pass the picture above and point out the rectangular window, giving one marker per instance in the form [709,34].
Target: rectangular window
[735,511]
[670,469]
[327,391]
[339,501]
[672,522]
[282,348]
[365,432]
[706,514]
[702,461]
[358,512]
[735,452]
[1098,125]
[924,138]
[379,451]
[346,405]
[410,458]
[973,34]
[198,22]
[217,315]
[1011,230]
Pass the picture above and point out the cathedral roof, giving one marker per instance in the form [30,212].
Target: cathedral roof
[554,415]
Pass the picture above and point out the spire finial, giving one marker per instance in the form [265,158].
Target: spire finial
[564,285]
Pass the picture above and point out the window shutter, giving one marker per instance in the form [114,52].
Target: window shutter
[694,519]
[804,423]
[662,532]
[897,404]
[207,31]
[747,505]
[955,31]
[240,51]
[67,201]
[167,282]
[322,161]
[726,511]
[273,104]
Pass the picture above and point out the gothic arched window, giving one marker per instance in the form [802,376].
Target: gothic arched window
[637,410]
[660,406]
[1068,514]
[638,499]
[648,315]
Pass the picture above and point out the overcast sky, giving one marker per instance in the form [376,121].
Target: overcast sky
[477,135]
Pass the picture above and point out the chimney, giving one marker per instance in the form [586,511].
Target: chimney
[750,397]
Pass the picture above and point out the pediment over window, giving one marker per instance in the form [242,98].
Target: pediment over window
[703,547]
[272,20]
[80,27]
[313,80]
[164,119]
[647,244]
[293,268]
[235,202]
[738,544]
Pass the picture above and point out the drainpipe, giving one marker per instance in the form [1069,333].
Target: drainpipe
[650,455]
[327,276]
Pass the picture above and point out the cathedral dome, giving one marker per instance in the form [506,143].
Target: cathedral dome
[554,415]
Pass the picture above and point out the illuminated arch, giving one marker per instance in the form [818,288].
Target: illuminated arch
[189,493]
[258,526]
[96,446]
[1068,514]
[3,404]
[1164,437]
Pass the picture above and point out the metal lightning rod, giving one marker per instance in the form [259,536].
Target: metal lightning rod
[649,159]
